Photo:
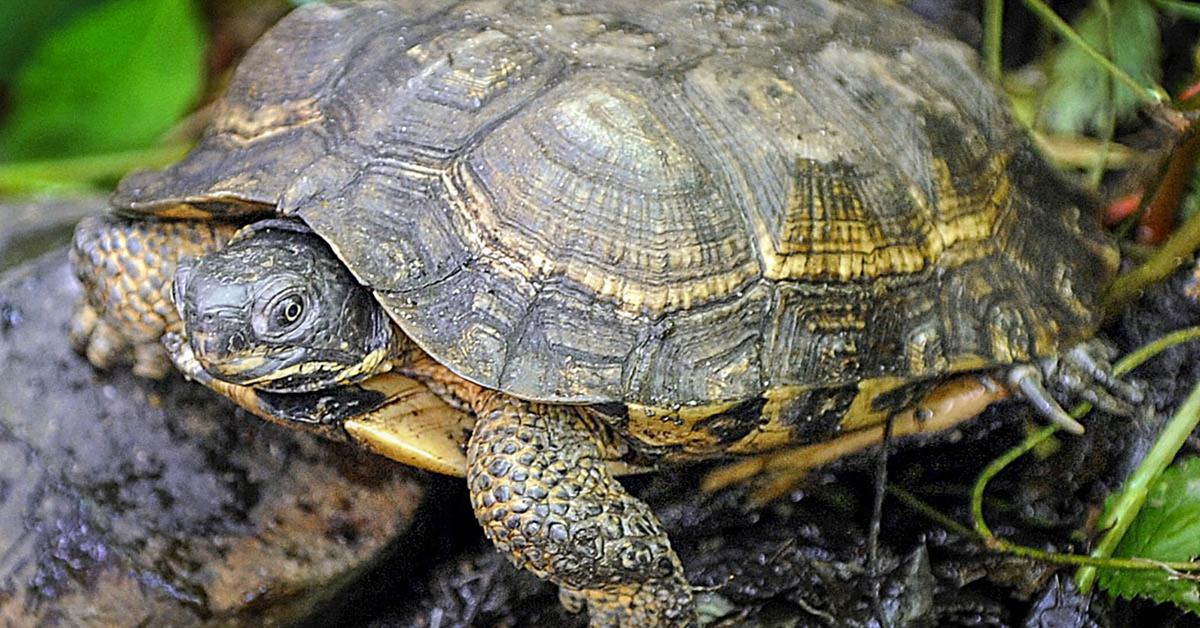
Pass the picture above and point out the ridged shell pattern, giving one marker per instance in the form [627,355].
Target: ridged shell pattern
[661,203]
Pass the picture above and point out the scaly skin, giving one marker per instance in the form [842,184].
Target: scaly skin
[543,494]
[126,268]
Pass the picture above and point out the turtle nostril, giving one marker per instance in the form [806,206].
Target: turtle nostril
[237,342]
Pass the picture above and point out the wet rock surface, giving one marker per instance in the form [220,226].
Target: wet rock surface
[129,503]
[31,228]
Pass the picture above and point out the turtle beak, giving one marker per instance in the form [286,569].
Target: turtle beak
[217,330]
[234,369]
[214,315]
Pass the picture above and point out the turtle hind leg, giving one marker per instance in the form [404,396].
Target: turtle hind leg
[1084,373]
[542,491]
[126,268]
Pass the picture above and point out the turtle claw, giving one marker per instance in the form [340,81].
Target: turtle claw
[1085,373]
[183,357]
[1094,359]
[1028,380]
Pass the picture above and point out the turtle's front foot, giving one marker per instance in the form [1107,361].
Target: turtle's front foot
[125,268]
[542,490]
[106,347]
[1083,373]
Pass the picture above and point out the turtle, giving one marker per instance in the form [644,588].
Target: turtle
[539,243]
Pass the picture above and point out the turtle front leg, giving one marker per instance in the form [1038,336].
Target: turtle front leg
[542,491]
[125,268]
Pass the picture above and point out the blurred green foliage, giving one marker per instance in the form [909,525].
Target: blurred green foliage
[92,87]
[1078,97]
[23,26]
[114,76]
[1182,8]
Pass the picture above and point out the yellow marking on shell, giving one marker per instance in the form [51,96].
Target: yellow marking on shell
[183,211]
[977,220]
[675,428]
[256,123]
[472,69]
[771,433]
[641,290]
[819,245]
[681,430]
[631,296]
[828,235]
[946,406]
[861,413]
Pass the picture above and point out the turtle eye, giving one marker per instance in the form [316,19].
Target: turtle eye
[286,312]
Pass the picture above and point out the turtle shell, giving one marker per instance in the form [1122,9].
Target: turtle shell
[664,203]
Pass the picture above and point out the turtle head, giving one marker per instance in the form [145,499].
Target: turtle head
[276,310]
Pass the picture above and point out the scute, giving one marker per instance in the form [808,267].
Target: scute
[592,184]
[467,69]
[663,204]
[271,123]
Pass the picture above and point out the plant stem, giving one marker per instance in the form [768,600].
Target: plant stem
[992,470]
[1137,487]
[1110,99]
[1165,447]
[993,31]
[1187,10]
[1033,553]
[1152,96]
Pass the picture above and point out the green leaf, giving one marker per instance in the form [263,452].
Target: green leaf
[1075,98]
[23,25]
[1167,529]
[115,78]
